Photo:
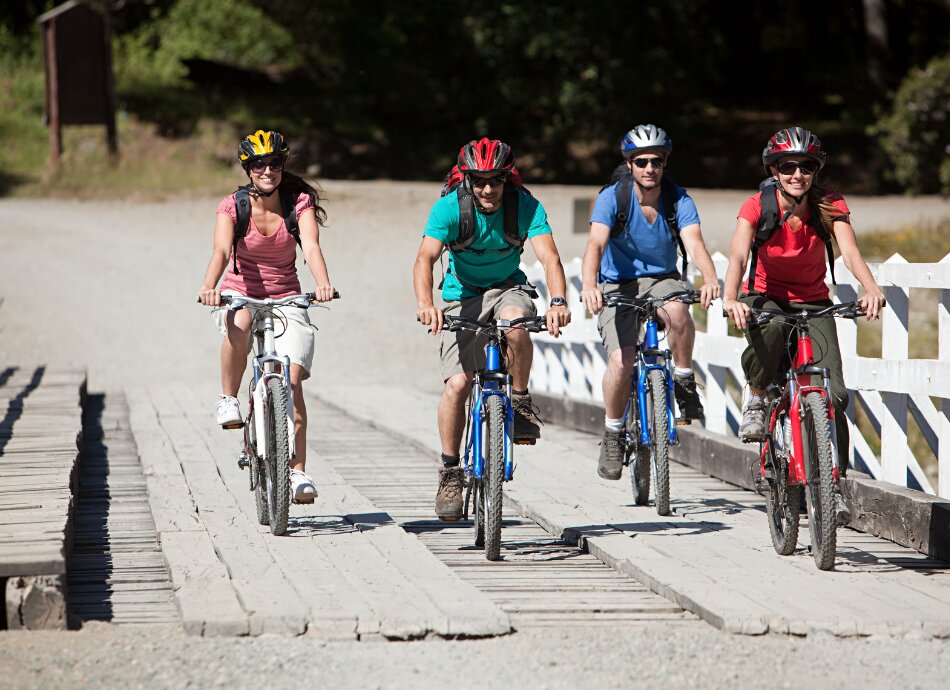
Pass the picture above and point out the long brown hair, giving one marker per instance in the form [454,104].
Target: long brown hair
[297,186]
[819,201]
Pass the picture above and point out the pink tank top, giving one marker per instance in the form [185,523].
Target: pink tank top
[266,265]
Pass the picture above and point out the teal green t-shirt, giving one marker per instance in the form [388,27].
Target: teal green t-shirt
[470,270]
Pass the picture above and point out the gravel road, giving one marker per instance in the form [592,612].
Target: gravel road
[112,286]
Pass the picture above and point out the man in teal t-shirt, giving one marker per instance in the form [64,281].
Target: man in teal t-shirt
[484,282]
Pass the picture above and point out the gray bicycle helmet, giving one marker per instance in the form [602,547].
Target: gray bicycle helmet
[645,137]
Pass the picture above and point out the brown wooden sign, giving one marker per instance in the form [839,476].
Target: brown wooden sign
[78,59]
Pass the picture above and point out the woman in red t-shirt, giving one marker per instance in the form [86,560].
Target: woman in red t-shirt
[264,265]
[790,274]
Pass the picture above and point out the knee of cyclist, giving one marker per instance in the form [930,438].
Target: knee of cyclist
[623,359]
[458,384]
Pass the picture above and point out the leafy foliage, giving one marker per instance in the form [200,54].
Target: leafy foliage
[916,133]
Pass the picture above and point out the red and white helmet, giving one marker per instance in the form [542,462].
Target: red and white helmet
[794,141]
[486,156]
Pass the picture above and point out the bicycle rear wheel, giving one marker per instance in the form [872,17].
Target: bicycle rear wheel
[816,438]
[493,476]
[638,454]
[656,408]
[783,505]
[277,465]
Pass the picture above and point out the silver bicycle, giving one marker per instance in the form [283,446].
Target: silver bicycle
[269,444]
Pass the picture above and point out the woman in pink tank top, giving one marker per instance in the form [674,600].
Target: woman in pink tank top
[789,274]
[262,264]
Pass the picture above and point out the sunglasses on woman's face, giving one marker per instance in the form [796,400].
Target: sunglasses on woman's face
[789,167]
[275,164]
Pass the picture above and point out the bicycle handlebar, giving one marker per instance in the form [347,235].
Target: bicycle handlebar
[615,299]
[845,310]
[239,301]
[532,324]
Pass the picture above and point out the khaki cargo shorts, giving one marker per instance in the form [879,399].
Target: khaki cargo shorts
[622,329]
[464,351]
[297,342]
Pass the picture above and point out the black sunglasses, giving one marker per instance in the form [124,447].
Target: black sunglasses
[496,181]
[644,162]
[275,163]
[789,167]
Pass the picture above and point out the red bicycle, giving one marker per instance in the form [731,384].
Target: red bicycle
[799,454]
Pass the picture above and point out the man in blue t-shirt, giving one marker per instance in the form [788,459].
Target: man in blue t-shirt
[484,221]
[640,260]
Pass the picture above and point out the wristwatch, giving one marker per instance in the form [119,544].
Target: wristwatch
[558,302]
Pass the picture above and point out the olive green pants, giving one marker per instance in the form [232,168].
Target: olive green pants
[764,361]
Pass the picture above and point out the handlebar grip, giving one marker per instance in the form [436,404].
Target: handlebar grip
[312,296]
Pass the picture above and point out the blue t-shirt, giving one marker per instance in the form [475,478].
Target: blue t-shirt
[643,249]
[469,270]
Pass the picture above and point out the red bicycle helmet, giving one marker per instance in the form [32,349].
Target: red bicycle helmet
[486,156]
[794,141]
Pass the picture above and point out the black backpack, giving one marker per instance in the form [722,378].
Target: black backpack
[509,207]
[242,204]
[770,220]
[624,195]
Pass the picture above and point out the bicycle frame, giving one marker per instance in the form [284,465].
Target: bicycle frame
[493,381]
[798,385]
[648,352]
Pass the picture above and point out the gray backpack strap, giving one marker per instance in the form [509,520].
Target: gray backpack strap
[242,206]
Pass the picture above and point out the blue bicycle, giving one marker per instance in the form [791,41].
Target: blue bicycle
[489,461]
[649,421]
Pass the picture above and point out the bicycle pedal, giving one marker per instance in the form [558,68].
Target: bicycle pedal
[449,518]
[680,421]
[302,501]
[233,425]
[526,442]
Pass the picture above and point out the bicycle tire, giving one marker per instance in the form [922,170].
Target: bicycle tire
[494,476]
[479,515]
[783,514]
[278,458]
[638,455]
[260,494]
[820,499]
[660,443]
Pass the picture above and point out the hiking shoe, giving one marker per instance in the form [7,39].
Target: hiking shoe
[228,412]
[753,427]
[527,421]
[610,464]
[684,390]
[301,487]
[448,499]
[842,511]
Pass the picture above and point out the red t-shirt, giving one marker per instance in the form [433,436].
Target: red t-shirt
[792,264]
[267,265]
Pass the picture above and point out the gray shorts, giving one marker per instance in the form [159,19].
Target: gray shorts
[464,351]
[297,342]
[622,329]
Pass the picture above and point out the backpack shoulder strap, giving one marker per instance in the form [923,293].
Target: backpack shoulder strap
[288,209]
[242,206]
[770,218]
[668,193]
[510,206]
[622,193]
[466,217]
[824,236]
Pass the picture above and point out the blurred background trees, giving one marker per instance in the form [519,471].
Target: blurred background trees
[393,89]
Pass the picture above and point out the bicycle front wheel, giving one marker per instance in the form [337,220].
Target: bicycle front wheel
[277,465]
[816,437]
[638,454]
[493,476]
[660,423]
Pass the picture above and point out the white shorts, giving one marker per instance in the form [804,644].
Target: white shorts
[297,342]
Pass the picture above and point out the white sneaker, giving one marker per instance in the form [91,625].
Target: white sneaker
[301,487]
[228,413]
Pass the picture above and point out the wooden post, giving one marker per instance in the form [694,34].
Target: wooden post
[52,92]
[894,450]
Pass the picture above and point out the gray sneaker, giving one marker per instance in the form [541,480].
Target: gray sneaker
[754,424]
[448,499]
[610,464]
[842,511]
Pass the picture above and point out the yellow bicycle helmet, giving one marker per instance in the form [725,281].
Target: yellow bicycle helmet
[261,144]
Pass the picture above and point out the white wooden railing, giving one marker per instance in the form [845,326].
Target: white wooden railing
[892,390]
